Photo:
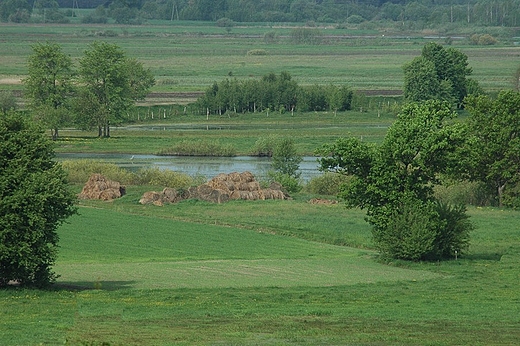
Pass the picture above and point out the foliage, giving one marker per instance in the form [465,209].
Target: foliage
[273,92]
[483,40]
[285,158]
[395,181]
[112,83]
[264,146]
[494,142]
[290,183]
[34,201]
[328,184]
[50,85]
[439,73]
[7,102]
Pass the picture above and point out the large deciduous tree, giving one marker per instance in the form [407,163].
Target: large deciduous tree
[394,183]
[439,73]
[112,83]
[495,141]
[34,201]
[49,85]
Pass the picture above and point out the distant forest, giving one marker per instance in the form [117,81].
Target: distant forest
[421,12]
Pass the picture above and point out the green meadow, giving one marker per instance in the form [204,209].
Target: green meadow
[262,273]
[278,272]
[186,56]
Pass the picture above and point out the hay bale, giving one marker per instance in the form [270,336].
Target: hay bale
[99,187]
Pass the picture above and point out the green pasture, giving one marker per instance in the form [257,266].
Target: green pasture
[240,273]
[185,56]
[309,131]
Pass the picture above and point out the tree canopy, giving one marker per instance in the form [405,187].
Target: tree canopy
[49,85]
[394,183]
[111,83]
[34,200]
[439,73]
[494,142]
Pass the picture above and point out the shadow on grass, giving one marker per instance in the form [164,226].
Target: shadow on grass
[92,285]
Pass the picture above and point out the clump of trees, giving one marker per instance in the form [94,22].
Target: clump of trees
[394,183]
[272,93]
[439,73]
[34,200]
[98,94]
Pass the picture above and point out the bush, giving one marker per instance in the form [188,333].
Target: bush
[327,184]
[264,146]
[290,183]
[285,158]
[418,230]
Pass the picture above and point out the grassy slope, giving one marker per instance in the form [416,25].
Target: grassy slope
[185,283]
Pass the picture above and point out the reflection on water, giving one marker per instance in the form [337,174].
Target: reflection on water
[196,165]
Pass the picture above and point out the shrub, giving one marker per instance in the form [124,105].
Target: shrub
[264,146]
[285,158]
[418,230]
[327,184]
[290,183]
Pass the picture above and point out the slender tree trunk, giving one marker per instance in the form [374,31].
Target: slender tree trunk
[100,131]
[501,195]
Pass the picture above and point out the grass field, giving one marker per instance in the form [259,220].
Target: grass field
[241,273]
[256,272]
[187,57]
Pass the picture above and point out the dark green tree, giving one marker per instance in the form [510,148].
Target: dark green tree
[49,85]
[444,72]
[494,126]
[394,183]
[34,201]
[112,83]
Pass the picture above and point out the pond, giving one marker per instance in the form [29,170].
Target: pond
[196,165]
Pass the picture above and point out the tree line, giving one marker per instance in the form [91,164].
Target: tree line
[272,93]
[410,13]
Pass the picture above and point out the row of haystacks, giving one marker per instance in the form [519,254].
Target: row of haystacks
[222,188]
[99,187]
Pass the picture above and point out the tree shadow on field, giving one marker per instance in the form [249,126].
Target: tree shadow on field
[483,256]
[92,285]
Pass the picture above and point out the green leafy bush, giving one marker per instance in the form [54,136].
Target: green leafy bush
[327,184]
[290,183]
[264,146]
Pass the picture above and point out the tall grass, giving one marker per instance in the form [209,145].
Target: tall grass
[200,148]
[79,172]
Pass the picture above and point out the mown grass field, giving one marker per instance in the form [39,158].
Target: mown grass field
[262,273]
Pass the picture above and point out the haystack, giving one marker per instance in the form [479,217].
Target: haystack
[168,195]
[220,189]
[99,187]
